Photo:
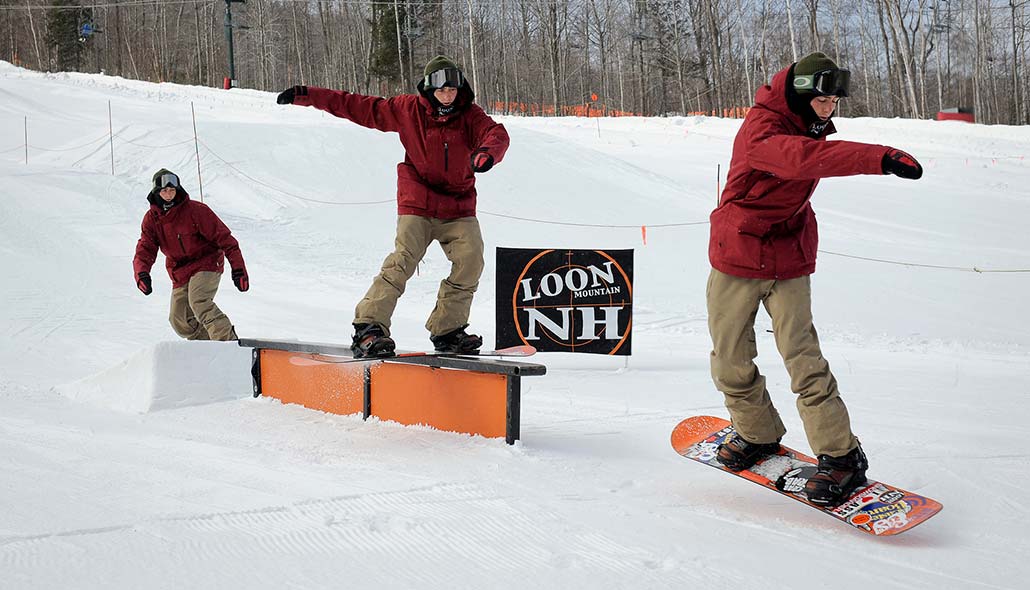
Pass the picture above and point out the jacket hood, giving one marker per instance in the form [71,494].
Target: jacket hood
[157,202]
[778,96]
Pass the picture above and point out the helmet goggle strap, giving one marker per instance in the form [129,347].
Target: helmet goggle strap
[168,180]
[824,83]
[442,78]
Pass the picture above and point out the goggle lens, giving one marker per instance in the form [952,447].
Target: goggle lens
[444,78]
[825,83]
[168,180]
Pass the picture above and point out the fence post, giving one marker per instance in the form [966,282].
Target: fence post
[196,147]
[718,184]
[110,133]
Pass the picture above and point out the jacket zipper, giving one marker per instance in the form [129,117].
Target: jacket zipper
[445,156]
[181,244]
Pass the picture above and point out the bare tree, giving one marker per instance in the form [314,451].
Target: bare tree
[545,56]
[1018,105]
[790,27]
[813,24]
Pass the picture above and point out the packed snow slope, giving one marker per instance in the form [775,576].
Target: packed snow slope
[120,470]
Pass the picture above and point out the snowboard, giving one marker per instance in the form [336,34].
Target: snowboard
[513,351]
[875,508]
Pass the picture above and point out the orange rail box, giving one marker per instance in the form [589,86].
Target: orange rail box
[453,393]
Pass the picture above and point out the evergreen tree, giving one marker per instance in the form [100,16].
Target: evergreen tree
[385,62]
[64,20]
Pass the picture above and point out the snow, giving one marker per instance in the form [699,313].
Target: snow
[132,459]
[168,375]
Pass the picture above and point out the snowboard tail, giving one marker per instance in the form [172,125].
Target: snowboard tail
[513,351]
[875,508]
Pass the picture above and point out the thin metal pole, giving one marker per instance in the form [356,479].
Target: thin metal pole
[110,132]
[26,141]
[196,147]
[718,184]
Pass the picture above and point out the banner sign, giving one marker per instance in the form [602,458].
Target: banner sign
[565,300]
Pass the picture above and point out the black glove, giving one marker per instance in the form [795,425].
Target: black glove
[482,161]
[240,279]
[287,96]
[901,164]
[143,283]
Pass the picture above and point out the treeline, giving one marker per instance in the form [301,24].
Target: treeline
[908,58]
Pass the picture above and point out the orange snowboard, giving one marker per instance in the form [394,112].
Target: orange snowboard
[876,508]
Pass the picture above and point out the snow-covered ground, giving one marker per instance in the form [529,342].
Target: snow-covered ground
[123,465]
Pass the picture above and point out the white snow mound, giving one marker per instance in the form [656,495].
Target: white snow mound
[168,375]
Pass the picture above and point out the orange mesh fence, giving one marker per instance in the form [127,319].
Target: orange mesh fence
[728,113]
[549,110]
[533,109]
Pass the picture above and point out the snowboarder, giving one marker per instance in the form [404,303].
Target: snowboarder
[447,139]
[195,243]
[763,248]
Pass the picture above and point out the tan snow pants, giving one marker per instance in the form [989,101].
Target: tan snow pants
[462,243]
[732,306]
[194,315]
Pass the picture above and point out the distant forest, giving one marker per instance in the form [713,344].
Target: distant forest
[908,58]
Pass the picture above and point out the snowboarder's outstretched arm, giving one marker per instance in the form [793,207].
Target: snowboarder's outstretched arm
[373,112]
[795,157]
[491,139]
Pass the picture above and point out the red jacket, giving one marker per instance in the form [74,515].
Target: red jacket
[435,179]
[764,226]
[190,235]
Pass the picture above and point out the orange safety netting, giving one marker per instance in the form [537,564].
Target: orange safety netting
[593,110]
[549,110]
[730,113]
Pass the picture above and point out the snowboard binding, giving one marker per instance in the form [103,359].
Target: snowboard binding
[457,342]
[837,478]
[738,454]
[371,341]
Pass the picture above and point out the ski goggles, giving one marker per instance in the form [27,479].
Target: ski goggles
[824,83]
[167,180]
[442,78]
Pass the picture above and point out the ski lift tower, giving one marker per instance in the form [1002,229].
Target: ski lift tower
[231,80]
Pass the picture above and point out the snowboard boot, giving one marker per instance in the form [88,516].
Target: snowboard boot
[457,342]
[738,454]
[371,341]
[837,478]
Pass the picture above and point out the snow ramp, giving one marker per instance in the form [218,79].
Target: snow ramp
[168,375]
